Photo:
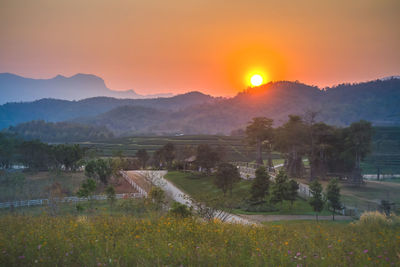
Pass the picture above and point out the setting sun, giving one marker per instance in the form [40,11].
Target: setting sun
[256,80]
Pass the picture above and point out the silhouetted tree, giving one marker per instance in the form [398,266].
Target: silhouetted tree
[280,188]
[143,157]
[316,201]
[227,175]
[206,157]
[291,140]
[260,186]
[259,132]
[333,196]
[291,194]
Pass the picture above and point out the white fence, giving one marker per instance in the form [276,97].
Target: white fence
[38,202]
[133,184]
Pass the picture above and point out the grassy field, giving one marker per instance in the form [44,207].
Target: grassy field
[129,241]
[97,207]
[36,183]
[197,185]
[368,196]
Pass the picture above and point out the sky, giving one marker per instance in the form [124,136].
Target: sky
[212,46]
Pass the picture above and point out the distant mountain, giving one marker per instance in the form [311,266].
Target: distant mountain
[196,113]
[53,110]
[14,88]
[376,101]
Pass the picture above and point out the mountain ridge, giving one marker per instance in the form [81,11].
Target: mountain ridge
[196,113]
[15,88]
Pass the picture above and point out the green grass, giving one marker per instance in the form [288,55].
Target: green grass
[97,207]
[367,197]
[129,241]
[300,207]
[197,185]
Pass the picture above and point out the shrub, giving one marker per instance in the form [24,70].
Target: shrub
[374,218]
[180,210]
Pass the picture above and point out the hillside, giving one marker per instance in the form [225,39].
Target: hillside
[15,88]
[339,106]
[54,110]
[196,113]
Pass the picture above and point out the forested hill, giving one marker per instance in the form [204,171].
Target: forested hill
[54,110]
[60,132]
[195,113]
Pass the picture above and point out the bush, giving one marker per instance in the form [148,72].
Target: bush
[180,210]
[376,218]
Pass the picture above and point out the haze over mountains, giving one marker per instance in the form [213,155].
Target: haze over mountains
[14,88]
[195,113]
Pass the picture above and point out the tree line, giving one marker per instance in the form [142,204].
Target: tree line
[329,149]
[36,155]
[60,131]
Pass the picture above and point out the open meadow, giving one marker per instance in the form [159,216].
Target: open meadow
[129,241]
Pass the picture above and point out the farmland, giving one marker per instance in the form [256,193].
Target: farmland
[235,148]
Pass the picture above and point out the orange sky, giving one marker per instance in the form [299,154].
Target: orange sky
[207,45]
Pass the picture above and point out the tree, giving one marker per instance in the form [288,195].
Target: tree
[87,189]
[358,141]
[279,188]
[260,186]
[157,196]
[68,156]
[324,140]
[143,157]
[292,189]
[100,169]
[310,118]
[206,157]
[36,155]
[8,150]
[333,196]
[291,141]
[169,154]
[316,201]
[259,132]
[110,192]
[227,175]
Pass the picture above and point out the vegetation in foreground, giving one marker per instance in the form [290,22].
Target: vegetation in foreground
[128,241]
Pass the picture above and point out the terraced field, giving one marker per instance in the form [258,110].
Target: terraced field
[385,156]
[235,148]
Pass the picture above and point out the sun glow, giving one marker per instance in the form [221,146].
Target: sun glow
[256,80]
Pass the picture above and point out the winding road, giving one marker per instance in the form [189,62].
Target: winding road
[157,178]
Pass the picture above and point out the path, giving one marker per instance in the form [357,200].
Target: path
[271,218]
[157,178]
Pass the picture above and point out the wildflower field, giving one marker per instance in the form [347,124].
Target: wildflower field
[164,241]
